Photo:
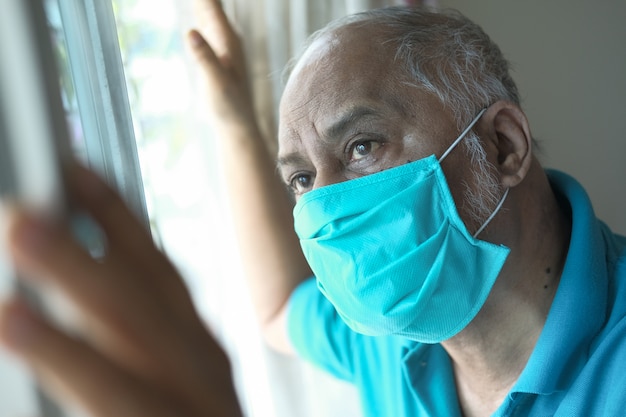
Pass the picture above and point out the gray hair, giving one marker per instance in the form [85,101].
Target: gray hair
[443,52]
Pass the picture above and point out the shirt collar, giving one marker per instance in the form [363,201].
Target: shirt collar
[427,370]
[579,306]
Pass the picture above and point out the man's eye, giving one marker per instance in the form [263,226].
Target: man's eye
[300,183]
[362,149]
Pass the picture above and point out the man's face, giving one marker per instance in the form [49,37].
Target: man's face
[348,112]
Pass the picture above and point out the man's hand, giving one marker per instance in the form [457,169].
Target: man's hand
[219,53]
[261,208]
[143,350]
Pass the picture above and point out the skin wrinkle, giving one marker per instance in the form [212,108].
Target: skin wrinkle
[361,123]
[348,120]
[300,113]
[386,91]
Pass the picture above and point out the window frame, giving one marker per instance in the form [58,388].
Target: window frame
[98,75]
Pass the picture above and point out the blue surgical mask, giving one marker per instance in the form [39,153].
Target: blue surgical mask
[391,253]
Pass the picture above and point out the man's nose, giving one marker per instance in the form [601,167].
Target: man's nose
[328,177]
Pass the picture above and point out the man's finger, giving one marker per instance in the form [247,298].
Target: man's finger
[124,232]
[206,57]
[129,244]
[219,32]
[75,372]
[124,305]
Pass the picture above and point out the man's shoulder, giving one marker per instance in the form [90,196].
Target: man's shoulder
[611,340]
[615,250]
[319,335]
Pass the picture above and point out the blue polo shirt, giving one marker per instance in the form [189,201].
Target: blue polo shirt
[578,366]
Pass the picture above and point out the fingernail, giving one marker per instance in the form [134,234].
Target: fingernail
[195,39]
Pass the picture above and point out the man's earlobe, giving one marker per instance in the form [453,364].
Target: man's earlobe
[508,126]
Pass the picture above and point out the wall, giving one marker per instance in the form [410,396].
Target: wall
[569,59]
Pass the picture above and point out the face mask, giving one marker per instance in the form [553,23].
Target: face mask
[391,253]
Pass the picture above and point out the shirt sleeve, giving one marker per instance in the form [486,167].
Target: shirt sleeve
[317,332]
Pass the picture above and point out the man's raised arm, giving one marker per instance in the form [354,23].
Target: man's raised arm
[261,207]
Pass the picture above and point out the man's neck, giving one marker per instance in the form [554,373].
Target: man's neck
[488,362]
[490,354]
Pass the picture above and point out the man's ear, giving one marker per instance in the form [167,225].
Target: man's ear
[505,125]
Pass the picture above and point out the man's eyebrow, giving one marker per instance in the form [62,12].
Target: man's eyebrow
[289,159]
[349,117]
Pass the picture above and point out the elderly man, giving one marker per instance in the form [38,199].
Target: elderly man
[453,275]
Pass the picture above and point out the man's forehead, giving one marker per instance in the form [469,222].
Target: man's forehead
[342,48]
[319,49]
[343,78]
[344,63]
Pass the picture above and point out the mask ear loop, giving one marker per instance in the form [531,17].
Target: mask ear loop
[462,135]
[456,142]
[492,215]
